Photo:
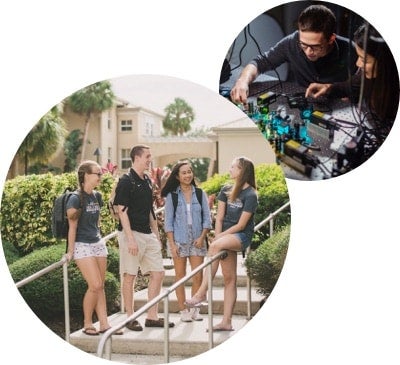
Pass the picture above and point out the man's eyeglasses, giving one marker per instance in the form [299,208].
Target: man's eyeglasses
[99,174]
[313,47]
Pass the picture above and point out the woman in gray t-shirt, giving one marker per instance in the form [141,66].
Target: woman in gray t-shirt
[86,246]
[234,228]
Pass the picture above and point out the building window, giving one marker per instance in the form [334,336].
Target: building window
[125,158]
[149,128]
[126,125]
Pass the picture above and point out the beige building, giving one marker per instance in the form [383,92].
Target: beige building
[114,132]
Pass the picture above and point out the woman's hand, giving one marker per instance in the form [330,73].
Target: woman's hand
[199,242]
[69,256]
[315,90]
[174,249]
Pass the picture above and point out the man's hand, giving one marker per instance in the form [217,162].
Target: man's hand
[240,92]
[133,248]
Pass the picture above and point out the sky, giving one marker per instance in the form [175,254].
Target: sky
[155,92]
[337,299]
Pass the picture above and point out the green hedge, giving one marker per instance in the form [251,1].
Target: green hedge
[11,254]
[26,208]
[45,295]
[264,265]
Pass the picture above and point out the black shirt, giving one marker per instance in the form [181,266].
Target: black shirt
[136,194]
[336,66]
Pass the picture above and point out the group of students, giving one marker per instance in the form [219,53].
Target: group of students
[187,223]
[328,64]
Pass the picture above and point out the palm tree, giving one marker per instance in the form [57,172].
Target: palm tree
[178,117]
[44,139]
[94,98]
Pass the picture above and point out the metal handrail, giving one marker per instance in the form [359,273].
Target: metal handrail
[64,263]
[257,227]
[106,339]
[270,218]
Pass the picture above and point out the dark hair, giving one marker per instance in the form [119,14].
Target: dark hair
[247,175]
[382,92]
[318,19]
[138,151]
[172,182]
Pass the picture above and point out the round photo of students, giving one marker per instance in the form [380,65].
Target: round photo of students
[319,81]
[137,192]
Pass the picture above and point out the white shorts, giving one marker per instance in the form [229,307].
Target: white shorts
[148,259]
[82,249]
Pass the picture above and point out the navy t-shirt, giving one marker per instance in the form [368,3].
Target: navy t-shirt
[247,201]
[88,229]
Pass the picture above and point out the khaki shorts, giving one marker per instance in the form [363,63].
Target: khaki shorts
[148,259]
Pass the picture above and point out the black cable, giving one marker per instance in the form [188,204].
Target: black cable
[259,51]
[241,50]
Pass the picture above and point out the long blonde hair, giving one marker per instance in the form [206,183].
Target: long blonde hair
[247,175]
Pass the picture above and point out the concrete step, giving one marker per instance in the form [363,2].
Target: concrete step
[169,278]
[240,308]
[186,339]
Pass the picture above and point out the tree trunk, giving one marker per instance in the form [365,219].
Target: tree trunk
[85,136]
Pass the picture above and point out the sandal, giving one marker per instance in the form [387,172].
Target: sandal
[195,301]
[157,323]
[134,326]
[119,332]
[90,331]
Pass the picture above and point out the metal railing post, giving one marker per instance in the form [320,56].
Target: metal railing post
[166,329]
[66,301]
[210,308]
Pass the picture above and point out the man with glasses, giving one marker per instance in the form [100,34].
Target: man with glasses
[314,52]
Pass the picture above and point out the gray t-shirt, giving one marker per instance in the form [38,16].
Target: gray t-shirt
[88,230]
[247,201]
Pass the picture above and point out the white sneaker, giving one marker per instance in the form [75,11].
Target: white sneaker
[196,316]
[186,316]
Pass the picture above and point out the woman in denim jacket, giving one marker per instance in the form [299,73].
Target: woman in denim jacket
[186,227]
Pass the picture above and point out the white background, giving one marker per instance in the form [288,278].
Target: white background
[337,299]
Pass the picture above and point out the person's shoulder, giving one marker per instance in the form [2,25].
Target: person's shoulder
[125,178]
[289,39]
[226,187]
[343,41]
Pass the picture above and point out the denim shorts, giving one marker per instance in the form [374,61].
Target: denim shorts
[245,239]
[189,249]
[82,249]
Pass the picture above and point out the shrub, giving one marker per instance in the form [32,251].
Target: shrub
[113,261]
[26,208]
[11,254]
[265,264]
[45,295]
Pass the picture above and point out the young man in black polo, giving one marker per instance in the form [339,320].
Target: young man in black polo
[138,237]
[314,53]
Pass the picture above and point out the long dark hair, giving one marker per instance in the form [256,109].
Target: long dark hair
[247,175]
[382,92]
[172,182]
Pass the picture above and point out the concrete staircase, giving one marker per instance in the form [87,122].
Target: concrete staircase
[186,339]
